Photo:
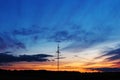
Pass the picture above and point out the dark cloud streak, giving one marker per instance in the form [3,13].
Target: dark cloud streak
[115,52]
[6,58]
[106,69]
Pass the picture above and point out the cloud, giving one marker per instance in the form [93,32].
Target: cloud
[5,58]
[2,44]
[110,54]
[8,41]
[5,52]
[82,38]
[59,36]
[115,53]
[34,29]
[79,36]
[107,69]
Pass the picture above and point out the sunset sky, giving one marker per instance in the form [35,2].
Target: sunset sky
[88,31]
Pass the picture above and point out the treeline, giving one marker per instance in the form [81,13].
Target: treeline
[56,75]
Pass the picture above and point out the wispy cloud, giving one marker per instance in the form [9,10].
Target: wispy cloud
[82,39]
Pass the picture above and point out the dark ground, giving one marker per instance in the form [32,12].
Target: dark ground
[53,75]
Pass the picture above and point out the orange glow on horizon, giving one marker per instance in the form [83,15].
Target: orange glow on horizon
[44,66]
[64,66]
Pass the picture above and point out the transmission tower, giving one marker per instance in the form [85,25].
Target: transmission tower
[58,57]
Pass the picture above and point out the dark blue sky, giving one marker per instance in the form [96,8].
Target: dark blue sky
[86,28]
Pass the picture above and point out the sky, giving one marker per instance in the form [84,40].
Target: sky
[87,31]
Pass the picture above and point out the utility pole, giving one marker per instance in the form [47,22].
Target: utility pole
[58,57]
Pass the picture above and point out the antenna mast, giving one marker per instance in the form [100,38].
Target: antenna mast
[58,57]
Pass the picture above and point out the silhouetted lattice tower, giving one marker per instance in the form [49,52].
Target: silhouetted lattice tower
[58,57]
